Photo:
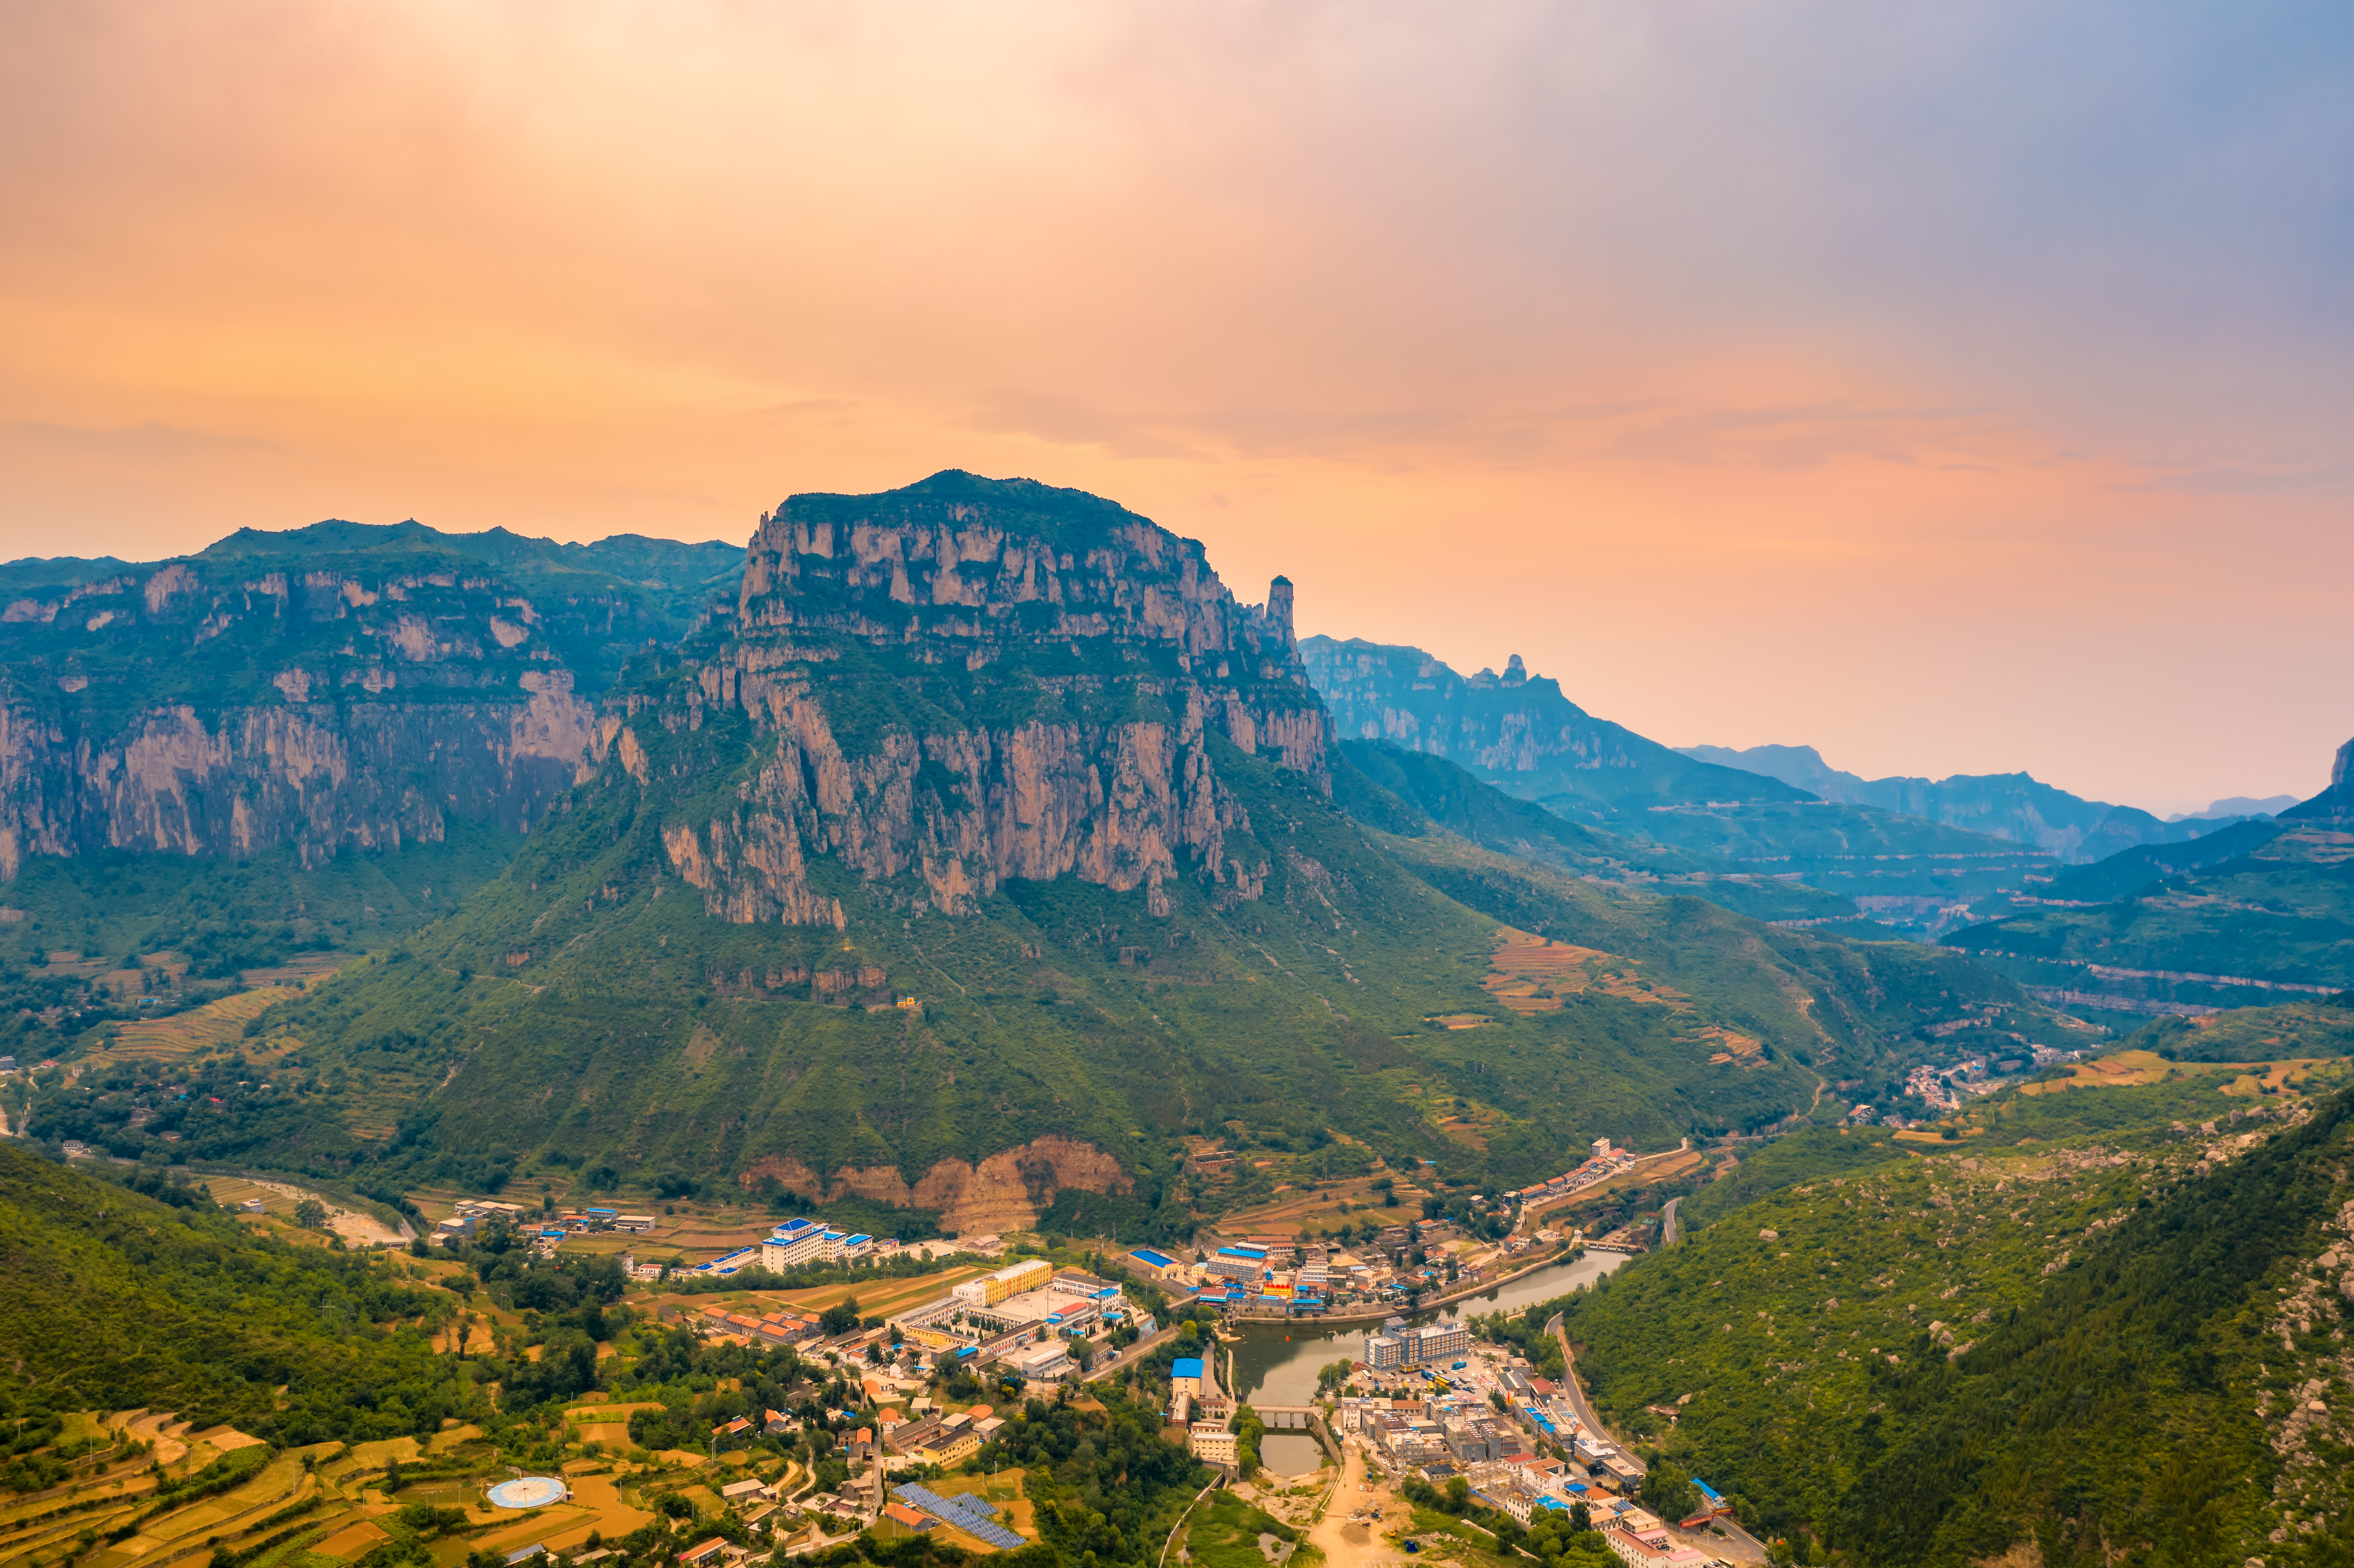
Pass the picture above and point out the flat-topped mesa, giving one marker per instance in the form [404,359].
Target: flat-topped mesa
[960,566]
[972,679]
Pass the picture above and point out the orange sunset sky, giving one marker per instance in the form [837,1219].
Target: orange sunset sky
[1956,392]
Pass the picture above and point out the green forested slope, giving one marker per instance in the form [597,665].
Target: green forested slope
[584,1004]
[2153,1400]
[2085,1342]
[2279,909]
[1456,800]
[1802,1156]
[112,1300]
[1851,1011]
[1782,1341]
[2292,1029]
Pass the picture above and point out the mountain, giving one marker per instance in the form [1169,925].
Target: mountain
[2167,1390]
[2259,910]
[2318,1028]
[120,1298]
[1515,730]
[1520,733]
[1452,799]
[2238,806]
[337,687]
[2012,806]
[986,857]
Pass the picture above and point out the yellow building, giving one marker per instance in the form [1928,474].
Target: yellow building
[1211,1441]
[1033,1274]
[952,1446]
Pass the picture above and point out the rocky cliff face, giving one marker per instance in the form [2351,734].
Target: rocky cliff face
[1007,1191]
[970,680]
[347,687]
[1515,730]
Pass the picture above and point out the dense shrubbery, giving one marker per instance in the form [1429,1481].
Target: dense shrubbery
[1104,1482]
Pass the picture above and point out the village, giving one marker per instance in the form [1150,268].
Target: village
[1430,1405]
[1423,1405]
[913,1359]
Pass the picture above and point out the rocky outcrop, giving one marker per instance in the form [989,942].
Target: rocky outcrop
[2334,804]
[972,679]
[339,687]
[1007,1191]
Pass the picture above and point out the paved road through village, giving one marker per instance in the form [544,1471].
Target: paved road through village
[1745,1546]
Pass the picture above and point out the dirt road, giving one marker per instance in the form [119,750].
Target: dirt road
[1348,1544]
[353,1224]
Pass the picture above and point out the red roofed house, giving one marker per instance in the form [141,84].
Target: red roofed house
[900,1513]
[862,1444]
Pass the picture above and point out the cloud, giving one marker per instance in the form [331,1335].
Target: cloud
[1812,326]
[2237,479]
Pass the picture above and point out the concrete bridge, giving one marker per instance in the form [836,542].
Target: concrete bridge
[1300,1418]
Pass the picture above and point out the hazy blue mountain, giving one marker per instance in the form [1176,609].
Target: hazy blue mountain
[1520,733]
[2260,910]
[1515,730]
[2237,806]
[2014,806]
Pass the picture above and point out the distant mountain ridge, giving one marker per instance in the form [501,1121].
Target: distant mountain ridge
[2237,806]
[2014,806]
[1516,730]
[2254,911]
[1522,734]
[338,685]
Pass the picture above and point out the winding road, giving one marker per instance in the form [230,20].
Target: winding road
[1669,1232]
[1752,1549]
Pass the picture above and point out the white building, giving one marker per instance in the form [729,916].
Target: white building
[1436,1343]
[794,1242]
[1049,1362]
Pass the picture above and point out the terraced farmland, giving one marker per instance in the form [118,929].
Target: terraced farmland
[199,1030]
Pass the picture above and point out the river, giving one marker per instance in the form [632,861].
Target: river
[1277,1363]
